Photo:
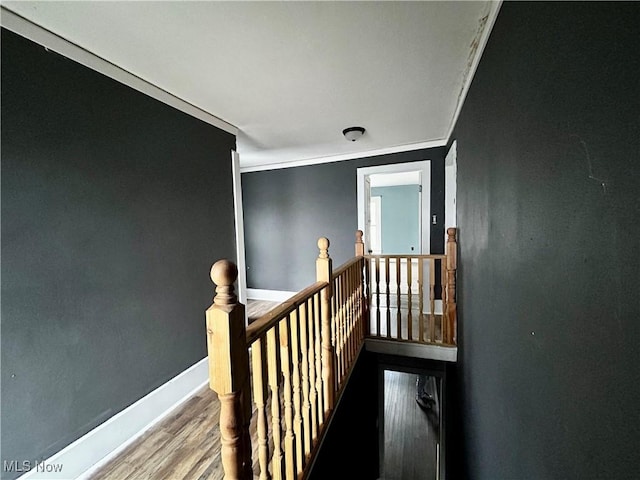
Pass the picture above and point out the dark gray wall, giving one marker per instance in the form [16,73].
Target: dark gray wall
[549,217]
[114,207]
[287,210]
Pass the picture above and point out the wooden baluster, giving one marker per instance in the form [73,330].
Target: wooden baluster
[367,296]
[229,371]
[350,316]
[443,295]
[318,357]
[366,321]
[409,299]
[323,274]
[304,364]
[289,437]
[387,260]
[335,325]
[352,299]
[421,299]
[452,262]
[362,281]
[273,366]
[359,276]
[340,334]
[378,322]
[347,323]
[313,398]
[339,326]
[354,308]
[260,392]
[297,401]
[343,324]
[432,300]
[399,300]
[355,301]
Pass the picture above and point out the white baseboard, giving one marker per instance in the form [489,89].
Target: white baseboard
[90,452]
[272,295]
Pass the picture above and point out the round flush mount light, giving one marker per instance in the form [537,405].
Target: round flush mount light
[353,133]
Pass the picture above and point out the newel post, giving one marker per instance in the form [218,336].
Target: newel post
[452,265]
[359,244]
[324,272]
[364,282]
[229,371]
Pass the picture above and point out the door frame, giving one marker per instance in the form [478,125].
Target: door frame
[450,188]
[238,217]
[424,167]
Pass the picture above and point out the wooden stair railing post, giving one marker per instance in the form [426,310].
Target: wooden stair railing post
[452,249]
[324,273]
[229,371]
[359,244]
[364,290]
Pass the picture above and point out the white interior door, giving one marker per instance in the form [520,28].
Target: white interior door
[375,225]
[367,213]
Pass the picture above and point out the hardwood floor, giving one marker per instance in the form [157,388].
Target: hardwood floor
[258,308]
[410,433]
[186,444]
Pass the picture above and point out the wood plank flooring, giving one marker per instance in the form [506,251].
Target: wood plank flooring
[186,444]
[410,436]
[258,308]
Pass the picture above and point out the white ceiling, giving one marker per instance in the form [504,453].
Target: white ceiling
[291,75]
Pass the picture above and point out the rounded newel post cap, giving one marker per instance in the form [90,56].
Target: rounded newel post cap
[323,246]
[451,231]
[359,234]
[224,273]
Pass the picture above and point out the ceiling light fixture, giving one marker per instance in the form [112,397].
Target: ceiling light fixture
[353,133]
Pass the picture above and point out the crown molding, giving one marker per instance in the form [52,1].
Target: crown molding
[346,156]
[51,41]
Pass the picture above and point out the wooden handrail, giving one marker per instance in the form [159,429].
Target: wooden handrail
[258,327]
[342,268]
[303,351]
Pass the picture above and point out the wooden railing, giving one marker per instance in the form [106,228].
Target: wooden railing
[402,293]
[279,379]
[276,406]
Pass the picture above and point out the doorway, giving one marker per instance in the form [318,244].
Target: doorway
[393,207]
